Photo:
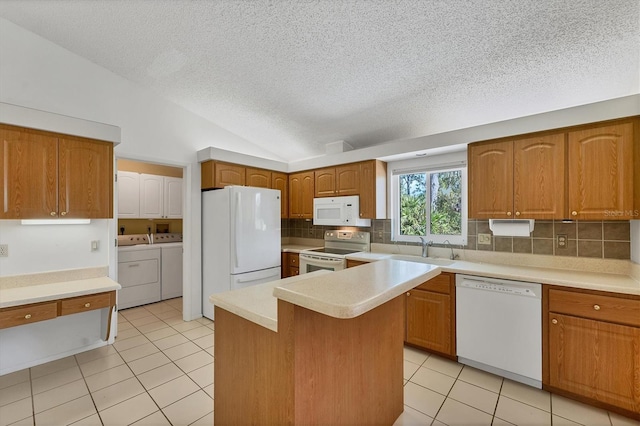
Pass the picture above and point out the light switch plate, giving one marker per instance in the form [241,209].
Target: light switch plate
[4,250]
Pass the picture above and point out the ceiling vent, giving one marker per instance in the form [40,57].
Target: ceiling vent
[337,147]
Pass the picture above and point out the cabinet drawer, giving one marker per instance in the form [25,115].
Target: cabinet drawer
[439,284]
[11,317]
[598,307]
[85,303]
[294,260]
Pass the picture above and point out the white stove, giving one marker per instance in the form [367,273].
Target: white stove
[337,245]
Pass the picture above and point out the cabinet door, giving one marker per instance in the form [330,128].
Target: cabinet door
[601,173]
[301,195]
[295,195]
[172,197]
[491,180]
[29,173]
[281,181]
[306,199]
[151,196]
[596,359]
[229,174]
[348,180]
[325,182]
[208,174]
[538,177]
[128,195]
[373,189]
[85,179]
[429,320]
[258,177]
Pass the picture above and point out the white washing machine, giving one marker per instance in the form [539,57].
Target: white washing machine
[139,271]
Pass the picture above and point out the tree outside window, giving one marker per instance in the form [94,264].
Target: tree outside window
[438,195]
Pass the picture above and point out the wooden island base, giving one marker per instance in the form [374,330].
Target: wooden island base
[315,370]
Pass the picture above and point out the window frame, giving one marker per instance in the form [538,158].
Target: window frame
[435,238]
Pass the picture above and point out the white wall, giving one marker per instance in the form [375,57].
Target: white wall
[36,73]
[40,248]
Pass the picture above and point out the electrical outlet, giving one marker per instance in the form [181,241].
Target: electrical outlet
[561,241]
[4,250]
[484,239]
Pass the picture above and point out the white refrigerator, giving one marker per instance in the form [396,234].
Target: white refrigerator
[240,239]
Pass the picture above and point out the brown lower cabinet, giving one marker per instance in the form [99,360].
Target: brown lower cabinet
[34,312]
[592,351]
[431,315]
[290,264]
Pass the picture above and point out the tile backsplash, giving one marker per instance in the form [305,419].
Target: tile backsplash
[598,239]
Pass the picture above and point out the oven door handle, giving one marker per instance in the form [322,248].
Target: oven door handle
[320,260]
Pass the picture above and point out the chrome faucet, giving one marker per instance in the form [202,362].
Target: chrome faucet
[453,256]
[425,247]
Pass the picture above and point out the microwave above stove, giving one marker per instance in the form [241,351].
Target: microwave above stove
[338,211]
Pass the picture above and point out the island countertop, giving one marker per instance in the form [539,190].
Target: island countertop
[354,291]
[343,294]
[257,303]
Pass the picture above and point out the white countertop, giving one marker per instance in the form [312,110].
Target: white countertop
[56,290]
[257,303]
[354,291]
[618,283]
[297,248]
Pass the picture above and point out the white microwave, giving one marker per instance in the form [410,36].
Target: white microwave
[338,211]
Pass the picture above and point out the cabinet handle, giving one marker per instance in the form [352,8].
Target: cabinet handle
[52,213]
[554,321]
[508,213]
[517,213]
[574,213]
[596,307]
[87,305]
[63,213]
[28,316]
[133,264]
[408,294]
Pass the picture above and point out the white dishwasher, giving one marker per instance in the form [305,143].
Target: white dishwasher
[499,327]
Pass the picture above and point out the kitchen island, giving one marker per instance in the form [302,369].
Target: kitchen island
[320,348]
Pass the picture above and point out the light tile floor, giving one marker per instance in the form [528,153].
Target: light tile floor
[160,372]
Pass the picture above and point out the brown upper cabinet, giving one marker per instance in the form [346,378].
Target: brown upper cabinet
[46,175]
[373,189]
[522,179]
[601,172]
[368,179]
[281,181]
[301,195]
[338,181]
[258,177]
[229,174]
[584,173]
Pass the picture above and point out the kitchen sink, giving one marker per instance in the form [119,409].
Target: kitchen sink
[430,260]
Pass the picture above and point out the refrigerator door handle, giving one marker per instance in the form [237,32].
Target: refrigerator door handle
[238,228]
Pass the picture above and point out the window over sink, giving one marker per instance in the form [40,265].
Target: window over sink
[430,202]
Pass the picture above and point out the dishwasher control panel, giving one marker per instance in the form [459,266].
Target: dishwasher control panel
[500,286]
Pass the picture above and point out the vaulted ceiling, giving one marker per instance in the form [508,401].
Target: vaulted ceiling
[293,75]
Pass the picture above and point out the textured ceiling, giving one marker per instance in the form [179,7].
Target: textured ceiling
[294,75]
